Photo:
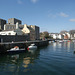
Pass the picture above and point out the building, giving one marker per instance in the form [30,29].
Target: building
[32,30]
[14,31]
[56,36]
[14,35]
[36,29]
[12,27]
[72,34]
[17,29]
[2,22]
[66,34]
[7,33]
[14,21]
[60,36]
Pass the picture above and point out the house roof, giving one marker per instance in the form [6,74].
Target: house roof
[29,27]
[53,33]
[21,26]
[63,32]
[72,31]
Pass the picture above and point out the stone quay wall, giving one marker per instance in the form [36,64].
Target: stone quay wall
[16,38]
[7,46]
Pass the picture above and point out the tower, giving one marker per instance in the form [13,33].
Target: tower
[2,22]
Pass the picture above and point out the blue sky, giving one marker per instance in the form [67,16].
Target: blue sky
[49,15]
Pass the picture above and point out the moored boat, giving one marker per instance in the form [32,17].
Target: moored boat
[60,41]
[16,49]
[32,47]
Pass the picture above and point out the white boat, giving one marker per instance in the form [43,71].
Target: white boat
[15,49]
[32,47]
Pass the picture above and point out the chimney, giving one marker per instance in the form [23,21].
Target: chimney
[25,25]
[17,25]
[4,27]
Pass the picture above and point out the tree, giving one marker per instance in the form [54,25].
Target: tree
[46,34]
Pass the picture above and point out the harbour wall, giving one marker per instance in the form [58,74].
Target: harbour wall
[14,38]
[23,44]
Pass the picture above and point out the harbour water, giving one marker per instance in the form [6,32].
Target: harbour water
[54,59]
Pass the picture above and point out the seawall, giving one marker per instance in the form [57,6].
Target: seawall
[23,44]
[15,38]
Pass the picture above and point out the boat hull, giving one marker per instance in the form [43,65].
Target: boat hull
[32,47]
[16,51]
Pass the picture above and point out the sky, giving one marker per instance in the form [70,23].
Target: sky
[50,15]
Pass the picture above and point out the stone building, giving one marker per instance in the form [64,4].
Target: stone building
[2,22]
[12,26]
[14,21]
[36,29]
[32,30]
[14,35]
[12,31]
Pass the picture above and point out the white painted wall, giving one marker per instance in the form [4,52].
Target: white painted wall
[7,33]
[59,36]
[68,35]
[25,29]
[54,36]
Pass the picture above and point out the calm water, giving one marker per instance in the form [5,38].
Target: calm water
[55,59]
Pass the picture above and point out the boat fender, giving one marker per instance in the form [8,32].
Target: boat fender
[28,49]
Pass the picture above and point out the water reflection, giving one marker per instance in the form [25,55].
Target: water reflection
[64,46]
[54,46]
[26,61]
[54,59]
[14,63]
[68,45]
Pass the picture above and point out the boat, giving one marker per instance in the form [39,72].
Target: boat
[32,47]
[16,49]
[60,41]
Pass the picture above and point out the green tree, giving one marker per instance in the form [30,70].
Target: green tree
[46,34]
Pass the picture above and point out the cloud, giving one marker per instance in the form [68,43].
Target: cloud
[34,1]
[72,20]
[63,14]
[19,2]
[52,16]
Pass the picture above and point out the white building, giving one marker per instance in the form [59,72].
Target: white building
[59,36]
[7,33]
[68,34]
[56,35]
[16,31]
